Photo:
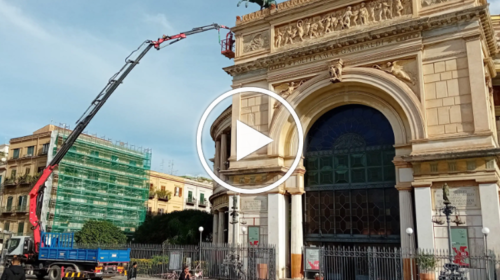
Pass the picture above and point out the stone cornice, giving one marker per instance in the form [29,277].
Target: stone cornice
[367,39]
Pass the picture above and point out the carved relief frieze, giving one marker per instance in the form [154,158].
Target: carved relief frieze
[256,42]
[288,88]
[333,22]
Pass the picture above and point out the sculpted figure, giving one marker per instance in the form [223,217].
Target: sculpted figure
[300,30]
[257,43]
[328,24]
[290,35]
[347,17]
[285,90]
[335,71]
[279,38]
[446,194]
[314,30]
[355,15]
[380,9]
[321,26]
[363,14]
[387,10]
[397,70]
[372,7]
[399,7]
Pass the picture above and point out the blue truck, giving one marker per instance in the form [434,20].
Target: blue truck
[59,258]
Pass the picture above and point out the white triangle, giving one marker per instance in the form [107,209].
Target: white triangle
[248,140]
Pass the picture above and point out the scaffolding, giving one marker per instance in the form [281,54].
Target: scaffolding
[99,180]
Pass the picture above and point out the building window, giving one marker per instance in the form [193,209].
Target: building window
[190,195]
[6,226]
[151,187]
[31,151]
[22,203]
[20,228]
[202,197]
[13,173]
[27,171]
[0,178]
[150,210]
[160,211]
[177,192]
[16,154]
[10,199]
[163,188]
[45,149]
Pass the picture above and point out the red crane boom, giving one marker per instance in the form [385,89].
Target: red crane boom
[36,194]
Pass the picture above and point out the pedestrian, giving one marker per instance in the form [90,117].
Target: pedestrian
[131,272]
[15,271]
[185,275]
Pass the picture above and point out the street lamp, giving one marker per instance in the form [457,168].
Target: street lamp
[486,231]
[409,231]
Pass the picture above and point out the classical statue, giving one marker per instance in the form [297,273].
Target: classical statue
[446,194]
[262,3]
[387,10]
[335,70]
[279,38]
[397,70]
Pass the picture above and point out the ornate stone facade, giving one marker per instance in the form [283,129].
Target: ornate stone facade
[423,73]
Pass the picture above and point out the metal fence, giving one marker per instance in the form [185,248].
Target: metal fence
[218,261]
[372,263]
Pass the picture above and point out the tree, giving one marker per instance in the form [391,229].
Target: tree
[100,232]
[180,227]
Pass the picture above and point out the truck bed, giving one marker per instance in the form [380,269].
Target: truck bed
[85,255]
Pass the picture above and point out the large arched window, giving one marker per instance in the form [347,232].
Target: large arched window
[350,178]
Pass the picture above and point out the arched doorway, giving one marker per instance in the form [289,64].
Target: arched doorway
[350,195]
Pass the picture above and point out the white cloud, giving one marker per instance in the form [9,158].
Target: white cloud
[160,20]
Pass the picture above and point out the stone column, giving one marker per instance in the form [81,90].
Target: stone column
[406,218]
[215,236]
[425,227]
[221,226]
[276,230]
[217,158]
[490,212]
[297,238]
[223,153]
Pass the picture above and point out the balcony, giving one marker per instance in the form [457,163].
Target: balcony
[43,152]
[8,210]
[22,209]
[10,182]
[27,180]
[191,201]
[203,203]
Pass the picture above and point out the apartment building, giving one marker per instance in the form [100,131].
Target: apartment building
[197,192]
[165,193]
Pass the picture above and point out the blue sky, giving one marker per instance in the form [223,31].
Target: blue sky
[57,55]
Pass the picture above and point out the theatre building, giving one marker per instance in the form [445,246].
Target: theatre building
[396,98]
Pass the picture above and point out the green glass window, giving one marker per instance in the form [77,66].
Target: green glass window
[16,154]
[10,199]
[6,226]
[20,228]
[202,197]
[31,150]
[190,195]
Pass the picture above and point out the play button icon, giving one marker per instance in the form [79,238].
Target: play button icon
[248,140]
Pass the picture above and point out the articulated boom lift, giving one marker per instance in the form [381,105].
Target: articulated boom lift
[30,249]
